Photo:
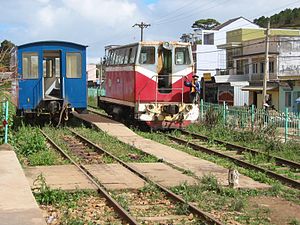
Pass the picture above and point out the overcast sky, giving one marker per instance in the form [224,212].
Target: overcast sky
[97,23]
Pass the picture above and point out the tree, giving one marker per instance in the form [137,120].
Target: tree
[205,24]
[5,49]
[287,18]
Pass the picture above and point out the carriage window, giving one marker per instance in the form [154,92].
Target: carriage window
[117,58]
[122,55]
[30,61]
[182,56]
[132,55]
[147,55]
[112,60]
[126,57]
[74,69]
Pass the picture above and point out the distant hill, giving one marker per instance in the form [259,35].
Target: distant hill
[288,18]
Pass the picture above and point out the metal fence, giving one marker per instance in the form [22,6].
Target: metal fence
[286,123]
[4,113]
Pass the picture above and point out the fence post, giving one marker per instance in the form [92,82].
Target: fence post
[298,117]
[286,123]
[6,124]
[201,109]
[252,116]
[224,112]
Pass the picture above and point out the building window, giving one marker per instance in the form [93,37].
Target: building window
[288,99]
[30,62]
[254,68]
[74,67]
[208,39]
[239,67]
[271,67]
[246,66]
[147,55]
[182,56]
[262,67]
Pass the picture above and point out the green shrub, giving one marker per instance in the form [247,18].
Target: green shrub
[29,140]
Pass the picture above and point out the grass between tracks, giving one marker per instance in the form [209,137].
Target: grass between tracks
[227,204]
[264,139]
[83,207]
[111,144]
[32,148]
[282,191]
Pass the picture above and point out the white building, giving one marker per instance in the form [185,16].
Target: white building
[210,59]
[91,71]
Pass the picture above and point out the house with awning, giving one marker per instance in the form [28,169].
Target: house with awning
[245,49]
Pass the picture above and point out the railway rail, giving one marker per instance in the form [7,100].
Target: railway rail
[88,157]
[120,210]
[235,153]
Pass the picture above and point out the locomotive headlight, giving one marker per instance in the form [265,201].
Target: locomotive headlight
[188,108]
[150,107]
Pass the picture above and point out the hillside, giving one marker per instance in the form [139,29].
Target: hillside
[288,18]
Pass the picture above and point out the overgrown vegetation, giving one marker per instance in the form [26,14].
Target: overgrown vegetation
[92,101]
[226,203]
[31,148]
[70,208]
[276,190]
[263,139]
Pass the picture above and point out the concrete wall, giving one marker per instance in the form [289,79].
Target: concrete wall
[91,72]
[295,93]
[289,62]
[275,99]
[240,97]
[245,34]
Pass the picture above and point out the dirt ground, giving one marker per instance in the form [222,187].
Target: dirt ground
[280,211]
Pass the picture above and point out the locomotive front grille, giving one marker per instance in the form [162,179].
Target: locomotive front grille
[170,109]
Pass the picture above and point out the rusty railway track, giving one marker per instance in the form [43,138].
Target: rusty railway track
[239,149]
[203,216]
[120,210]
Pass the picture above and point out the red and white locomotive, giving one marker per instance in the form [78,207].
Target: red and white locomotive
[145,81]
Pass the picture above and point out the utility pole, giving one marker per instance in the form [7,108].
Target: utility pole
[266,69]
[142,25]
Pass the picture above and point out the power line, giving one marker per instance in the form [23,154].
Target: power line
[196,10]
[180,8]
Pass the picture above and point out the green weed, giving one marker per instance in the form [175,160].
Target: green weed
[294,221]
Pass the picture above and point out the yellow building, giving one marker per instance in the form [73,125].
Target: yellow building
[245,49]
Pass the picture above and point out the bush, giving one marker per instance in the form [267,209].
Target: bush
[212,117]
[29,140]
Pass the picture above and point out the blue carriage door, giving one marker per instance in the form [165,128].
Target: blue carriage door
[52,74]
[30,84]
[75,85]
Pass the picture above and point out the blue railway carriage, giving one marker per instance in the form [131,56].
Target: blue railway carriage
[50,78]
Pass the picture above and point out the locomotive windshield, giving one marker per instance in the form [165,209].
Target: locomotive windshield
[147,55]
[182,56]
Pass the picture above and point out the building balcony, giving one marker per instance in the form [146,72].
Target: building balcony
[260,77]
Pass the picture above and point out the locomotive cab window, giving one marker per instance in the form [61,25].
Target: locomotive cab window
[182,56]
[132,55]
[30,65]
[74,68]
[147,55]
